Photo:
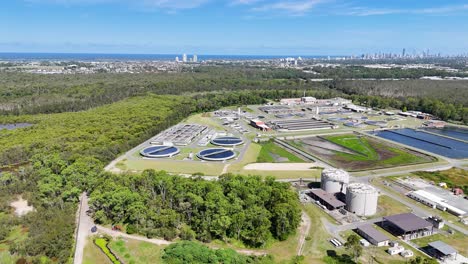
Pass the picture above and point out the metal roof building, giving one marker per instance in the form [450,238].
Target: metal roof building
[327,199]
[374,236]
[408,225]
[441,250]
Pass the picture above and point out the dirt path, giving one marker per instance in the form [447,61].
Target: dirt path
[304,231]
[225,169]
[116,234]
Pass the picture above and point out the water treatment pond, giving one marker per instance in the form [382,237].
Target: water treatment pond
[436,144]
[450,131]
[14,126]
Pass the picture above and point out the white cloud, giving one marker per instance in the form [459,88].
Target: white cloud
[288,7]
[162,4]
[175,4]
[365,11]
[245,2]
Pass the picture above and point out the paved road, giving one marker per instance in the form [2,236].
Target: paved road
[84,229]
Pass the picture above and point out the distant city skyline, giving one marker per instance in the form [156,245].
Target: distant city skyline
[236,27]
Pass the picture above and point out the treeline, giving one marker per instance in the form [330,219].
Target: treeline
[442,110]
[443,99]
[455,92]
[22,93]
[361,72]
[154,204]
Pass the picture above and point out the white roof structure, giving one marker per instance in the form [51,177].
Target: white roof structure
[443,248]
[424,195]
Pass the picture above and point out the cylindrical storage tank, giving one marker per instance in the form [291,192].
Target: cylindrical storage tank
[334,180]
[361,199]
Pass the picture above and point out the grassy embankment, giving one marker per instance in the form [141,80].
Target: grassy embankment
[271,152]
[371,153]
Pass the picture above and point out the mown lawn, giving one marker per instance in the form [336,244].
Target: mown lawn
[136,252]
[270,150]
[388,206]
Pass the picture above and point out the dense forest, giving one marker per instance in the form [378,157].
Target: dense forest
[247,209]
[62,155]
[22,93]
[361,72]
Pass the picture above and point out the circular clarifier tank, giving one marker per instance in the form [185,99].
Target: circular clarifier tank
[160,151]
[216,154]
[227,141]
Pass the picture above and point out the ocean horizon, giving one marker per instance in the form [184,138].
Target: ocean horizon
[31,56]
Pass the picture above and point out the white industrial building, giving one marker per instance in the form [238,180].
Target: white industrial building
[435,201]
[361,199]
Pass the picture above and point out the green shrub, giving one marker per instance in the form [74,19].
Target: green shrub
[131,229]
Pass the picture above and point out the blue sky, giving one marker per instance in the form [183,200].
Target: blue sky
[261,27]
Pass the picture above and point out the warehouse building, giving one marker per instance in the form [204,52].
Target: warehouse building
[435,201]
[408,226]
[374,236]
[300,124]
[276,109]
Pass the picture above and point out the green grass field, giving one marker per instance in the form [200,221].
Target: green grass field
[388,206]
[136,252]
[271,152]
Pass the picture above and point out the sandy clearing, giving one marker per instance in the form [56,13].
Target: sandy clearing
[280,166]
[21,207]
